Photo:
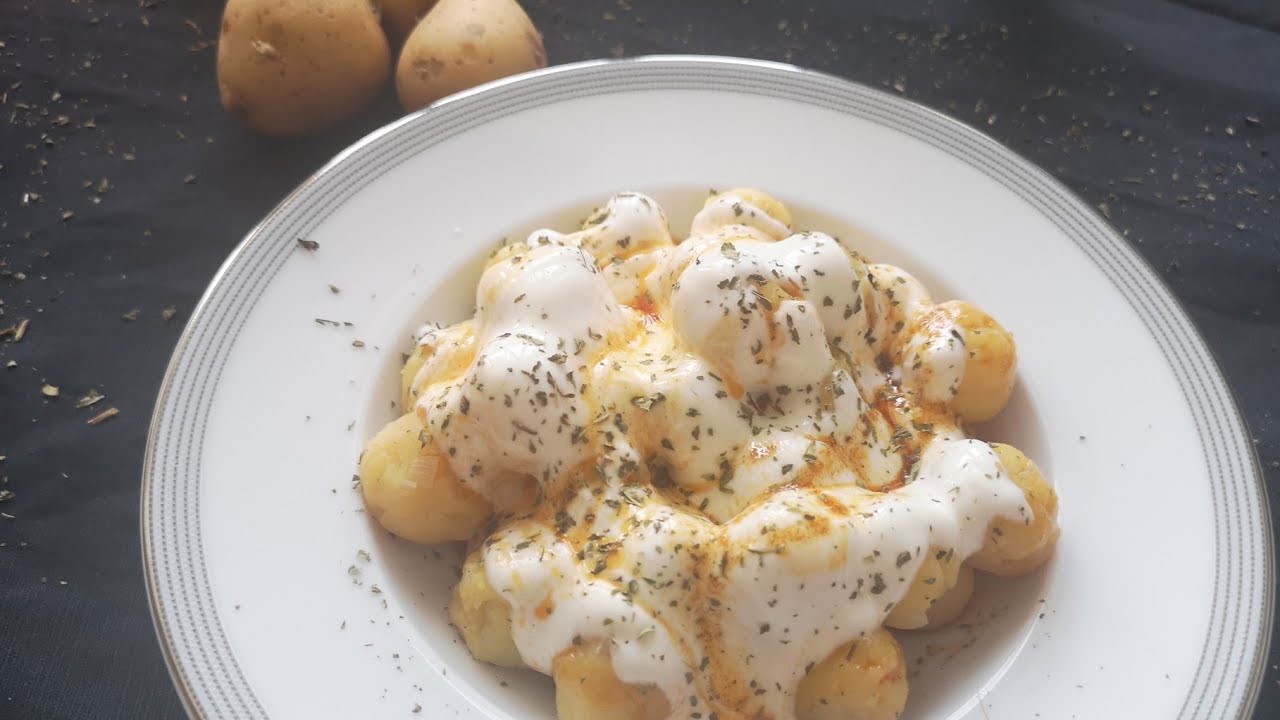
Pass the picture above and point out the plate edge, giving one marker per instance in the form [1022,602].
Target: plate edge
[163,632]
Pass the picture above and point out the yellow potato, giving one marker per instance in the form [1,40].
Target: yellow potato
[588,689]
[294,68]
[1015,547]
[482,616]
[410,488]
[990,365]
[772,207]
[951,605]
[869,683]
[935,577]
[400,16]
[417,358]
[448,352]
[463,43]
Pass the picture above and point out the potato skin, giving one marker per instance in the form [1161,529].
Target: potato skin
[483,616]
[588,689]
[410,488]
[1013,547]
[464,43]
[399,17]
[869,683]
[288,69]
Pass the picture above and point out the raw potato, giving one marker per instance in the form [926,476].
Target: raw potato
[588,689]
[410,488]
[400,16]
[869,683]
[463,43]
[1015,547]
[482,616]
[297,67]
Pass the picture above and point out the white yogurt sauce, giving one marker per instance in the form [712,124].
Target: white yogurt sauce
[737,436]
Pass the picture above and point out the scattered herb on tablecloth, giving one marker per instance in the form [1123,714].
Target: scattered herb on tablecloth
[89,398]
[103,416]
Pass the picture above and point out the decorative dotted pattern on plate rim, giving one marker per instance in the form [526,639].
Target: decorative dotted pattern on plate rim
[208,678]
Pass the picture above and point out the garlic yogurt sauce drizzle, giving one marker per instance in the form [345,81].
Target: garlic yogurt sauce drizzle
[739,440]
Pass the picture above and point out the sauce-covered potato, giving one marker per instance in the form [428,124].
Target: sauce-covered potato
[709,462]
[445,354]
[932,581]
[990,366]
[412,491]
[588,689]
[862,680]
[951,605]
[1016,547]
[483,617]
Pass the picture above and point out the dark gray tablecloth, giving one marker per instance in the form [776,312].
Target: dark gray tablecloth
[123,185]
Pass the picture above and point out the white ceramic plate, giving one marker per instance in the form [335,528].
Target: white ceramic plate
[1157,603]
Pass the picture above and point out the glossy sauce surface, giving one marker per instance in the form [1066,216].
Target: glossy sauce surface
[741,444]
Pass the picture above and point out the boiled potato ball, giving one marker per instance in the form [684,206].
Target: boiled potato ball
[410,488]
[482,616]
[936,576]
[1016,547]
[863,680]
[588,689]
[991,364]
[951,604]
